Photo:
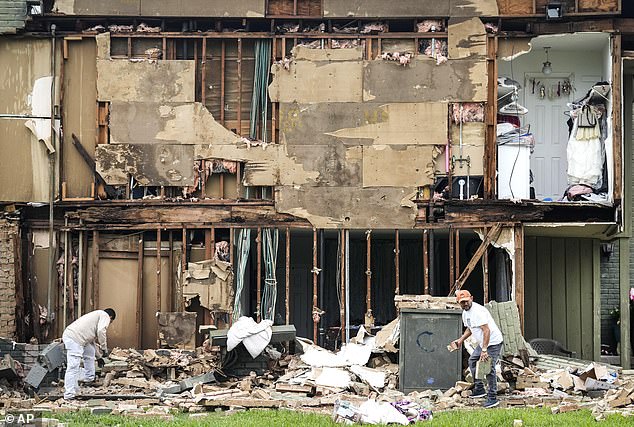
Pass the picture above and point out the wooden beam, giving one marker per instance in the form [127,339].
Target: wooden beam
[223,51]
[397,263]
[519,270]
[203,72]
[452,268]
[259,276]
[170,271]
[181,303]
[596,300]
[139,293]
[80,274]
[490,163]
[493,233]
[624,306]
[485,271]
[95,270]
[368,275]
[208,250]
[617,129]
[457,247]
[158,276]
[288,275]
[315,273]
[239,87]
[342,306]
[426,262]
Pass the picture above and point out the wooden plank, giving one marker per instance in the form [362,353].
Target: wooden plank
[490,165]
[485,273]
[559,318]
[457,248]
[139,292]
[452,270]
[543,272]
[203,85]
[531,302]
[158,277]
[493,233]
[95,270]
[397,262]
[617,131]
[239,87]
[519,271]
[223,51]
[572,301]
[288,276]
[208,250]
[170,272]
[586,277]
[596,300]
[624,280]
[181,304]
[315,272]
[426,261]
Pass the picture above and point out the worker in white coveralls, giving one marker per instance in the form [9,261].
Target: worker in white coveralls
[84,338]
[479,323]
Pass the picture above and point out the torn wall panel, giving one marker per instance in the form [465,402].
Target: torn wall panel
[397,166]
[177,329]
[145,81]
[156,165]
[335,207]
[474,166]
[98,7]
[303,53]
[424,81]
[363,123]
[382,9]
[175,123]
[509,49]
[337,165]
[466,38]
[317,81]
[204,8]
[211,281]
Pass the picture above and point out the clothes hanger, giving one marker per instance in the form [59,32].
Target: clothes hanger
[514,109]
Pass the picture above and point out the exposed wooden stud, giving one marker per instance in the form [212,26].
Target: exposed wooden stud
[164,49]
[368,275]
[181,302]
[294,7]
[231,243]
[208,250]
[457,258]
[129,47]
[239,87]
[239,180]
[493,234]
[213,242]
[170,270]
[95,270]
[139,293]
[378,46]
[315,273]
[158,276]
[624,306]
[223,51]
[485,271]
[288,275]
[426,262]
[342,307]
[80,274]
[451,256]
[617,131]
[596,299]
[519,270]
[65,292]
[203,179]
[283,47]
[397,263]
[490,165]
[259,276]
[203,84]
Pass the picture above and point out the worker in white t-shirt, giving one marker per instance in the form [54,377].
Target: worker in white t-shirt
[479,323]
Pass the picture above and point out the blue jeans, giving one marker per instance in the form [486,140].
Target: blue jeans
[494,353]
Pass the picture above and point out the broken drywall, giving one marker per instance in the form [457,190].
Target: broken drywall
[145,80]
[177,329]
[466,37]
[462,80]
[166,123]
[317,81]
[160,165]
[509,49]
[103,45]
[40,100]
[332,207]
[473,8]
[211,281]
[396,166]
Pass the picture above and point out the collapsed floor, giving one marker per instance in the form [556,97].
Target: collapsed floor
[289,372]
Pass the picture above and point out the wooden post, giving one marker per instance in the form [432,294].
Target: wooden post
[288,275]
[342,308]
[624,307]
[485,271]
[315,272]
[240,89]
[139,293]
[617,117]
[426,262]
[397,263]
[259,276]
[95,269]
[170,270]
[457,258]
[80,274]
[223,49]
[493,233]
[158,271]
[65,293]
[181,303]
[490,165]
[203,71]
[518,232]
[451,258]
[368,275]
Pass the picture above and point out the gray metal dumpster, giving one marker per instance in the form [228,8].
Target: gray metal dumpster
[424,361]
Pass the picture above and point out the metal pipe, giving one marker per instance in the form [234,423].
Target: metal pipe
[51,177]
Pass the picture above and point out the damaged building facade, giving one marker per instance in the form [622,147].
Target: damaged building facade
[306,161]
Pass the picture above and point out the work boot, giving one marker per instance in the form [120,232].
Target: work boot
[490,403]
[478,392]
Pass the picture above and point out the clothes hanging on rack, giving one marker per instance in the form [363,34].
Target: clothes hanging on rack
[585,159]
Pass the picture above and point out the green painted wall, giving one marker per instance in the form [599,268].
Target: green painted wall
[560,300]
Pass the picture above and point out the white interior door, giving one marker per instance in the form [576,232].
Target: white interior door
[548,124]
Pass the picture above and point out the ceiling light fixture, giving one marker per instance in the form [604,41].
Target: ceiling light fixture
[547,67]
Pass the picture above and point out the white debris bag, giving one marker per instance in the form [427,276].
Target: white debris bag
[255,336]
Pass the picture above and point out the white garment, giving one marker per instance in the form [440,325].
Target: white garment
[585,158]
[477,316]
[90,328]
[254,336]
[75,352]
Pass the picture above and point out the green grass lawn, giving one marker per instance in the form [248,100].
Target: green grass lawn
[277,418]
